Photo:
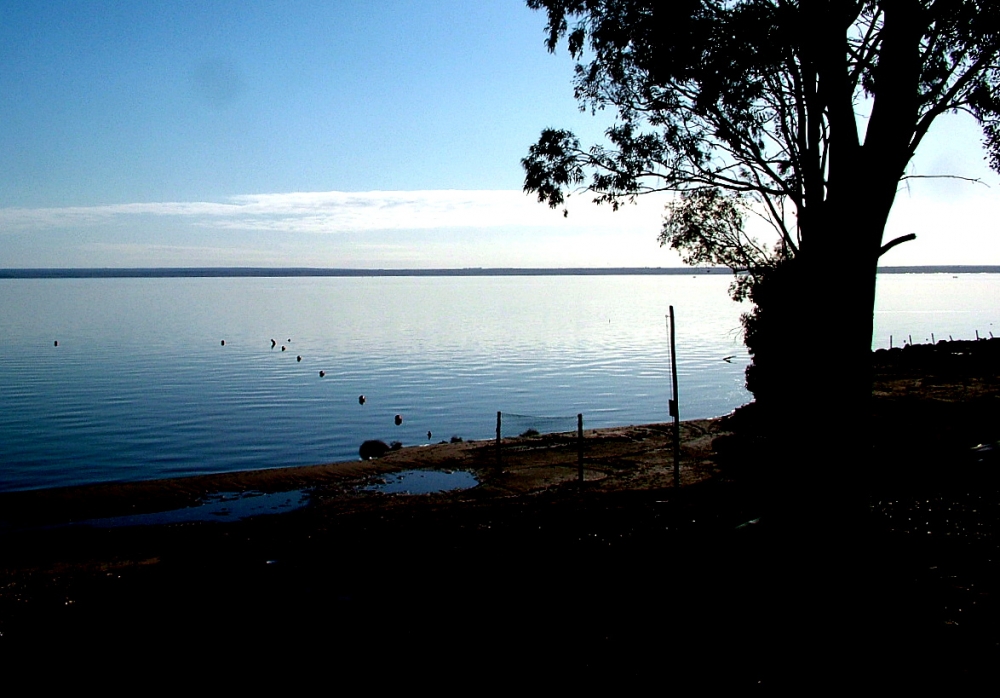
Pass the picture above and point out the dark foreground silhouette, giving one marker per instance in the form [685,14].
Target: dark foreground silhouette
[561,583]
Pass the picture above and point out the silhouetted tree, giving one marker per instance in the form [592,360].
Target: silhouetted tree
[806,112]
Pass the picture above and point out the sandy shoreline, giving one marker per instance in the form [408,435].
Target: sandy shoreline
[632,457]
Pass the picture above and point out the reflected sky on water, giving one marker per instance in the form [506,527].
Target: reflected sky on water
[140,385]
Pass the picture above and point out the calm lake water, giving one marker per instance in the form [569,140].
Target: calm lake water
[140,385]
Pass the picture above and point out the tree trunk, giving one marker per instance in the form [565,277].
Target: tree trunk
[812,375]
[815,322]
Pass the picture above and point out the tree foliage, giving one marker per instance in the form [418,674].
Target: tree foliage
[707,226]
[794,108]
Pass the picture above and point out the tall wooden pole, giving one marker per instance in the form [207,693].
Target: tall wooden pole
[499,458]
[674,411]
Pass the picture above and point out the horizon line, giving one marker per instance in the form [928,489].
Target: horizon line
[251,272]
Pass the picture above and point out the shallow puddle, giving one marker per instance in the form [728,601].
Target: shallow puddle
[222,506]
[423,482]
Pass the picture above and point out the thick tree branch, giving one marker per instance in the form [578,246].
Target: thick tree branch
[897,241]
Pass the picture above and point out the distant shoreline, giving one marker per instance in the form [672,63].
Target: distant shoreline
[263,272]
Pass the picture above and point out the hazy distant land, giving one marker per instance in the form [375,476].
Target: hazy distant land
[181,272]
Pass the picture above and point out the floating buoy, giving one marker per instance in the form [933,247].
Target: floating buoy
[273,344]
[322,373]
[361,399]
[283,347]
[429,435]
[55,343]
[398,419]
[298,358]
[223,342]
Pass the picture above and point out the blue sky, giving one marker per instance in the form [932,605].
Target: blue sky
[337,134]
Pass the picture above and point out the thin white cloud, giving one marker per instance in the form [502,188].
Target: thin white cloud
[143,249]
[333,212]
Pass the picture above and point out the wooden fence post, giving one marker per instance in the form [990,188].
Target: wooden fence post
[676,409]
[499,459]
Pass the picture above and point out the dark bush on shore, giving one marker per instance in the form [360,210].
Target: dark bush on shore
[529,432]
[959,356]
[456,439]
[944,358]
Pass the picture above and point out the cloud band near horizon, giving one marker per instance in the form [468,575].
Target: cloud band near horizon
[335,211]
